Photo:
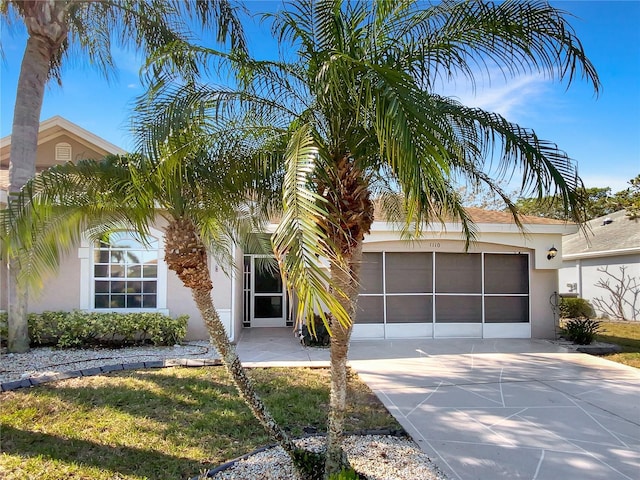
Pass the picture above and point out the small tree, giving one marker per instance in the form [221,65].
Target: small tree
[199,195]
[623,295]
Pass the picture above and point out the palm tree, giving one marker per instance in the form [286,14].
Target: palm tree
[59,28]
[351,113]
[199,197]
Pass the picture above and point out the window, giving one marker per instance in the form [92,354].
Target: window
[125,272]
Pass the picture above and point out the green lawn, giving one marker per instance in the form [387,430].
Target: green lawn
[625,334]
[168,423]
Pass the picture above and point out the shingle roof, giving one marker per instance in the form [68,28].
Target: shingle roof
[492,216]
[481,216]
[604,236]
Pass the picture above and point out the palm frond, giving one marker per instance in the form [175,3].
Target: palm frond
[545,167]
[516,37]
[300,241]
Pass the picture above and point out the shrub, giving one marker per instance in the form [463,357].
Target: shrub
[573,307]
[310,463]
[581,330]
[84,329]
[319,337]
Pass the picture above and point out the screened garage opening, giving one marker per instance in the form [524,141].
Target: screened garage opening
[437,294]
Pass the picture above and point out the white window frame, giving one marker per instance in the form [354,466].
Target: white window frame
[87,279]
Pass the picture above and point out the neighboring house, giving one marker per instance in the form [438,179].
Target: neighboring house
[609,252]
[500,288]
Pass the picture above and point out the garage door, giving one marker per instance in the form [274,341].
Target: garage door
[429,294]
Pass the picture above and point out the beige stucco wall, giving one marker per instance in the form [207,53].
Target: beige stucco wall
[79,151]
[3,287]
[61,291]
[544,284]
[537,238]
[237,286]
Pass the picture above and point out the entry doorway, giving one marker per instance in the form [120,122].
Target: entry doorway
[265,298]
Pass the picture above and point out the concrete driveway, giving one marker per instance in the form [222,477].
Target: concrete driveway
[492,409]
[509,409]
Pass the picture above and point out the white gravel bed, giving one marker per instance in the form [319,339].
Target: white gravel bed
[43,361]
[379,457]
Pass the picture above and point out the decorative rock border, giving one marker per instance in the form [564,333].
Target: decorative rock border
[34,381]
[376,453]
[399,433]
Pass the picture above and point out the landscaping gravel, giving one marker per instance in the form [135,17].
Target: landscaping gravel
[379,457]
[41,362]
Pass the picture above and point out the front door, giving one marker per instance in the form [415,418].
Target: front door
[267,298]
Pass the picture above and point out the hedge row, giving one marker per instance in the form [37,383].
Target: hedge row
[86,329]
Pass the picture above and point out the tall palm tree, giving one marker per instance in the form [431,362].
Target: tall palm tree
[351,113]
[198,197]
[60,28]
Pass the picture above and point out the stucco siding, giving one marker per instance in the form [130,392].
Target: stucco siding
[60,291]
[3,287]
[587,272]
[543,288]
[180,302]
[238,294]
[46,155]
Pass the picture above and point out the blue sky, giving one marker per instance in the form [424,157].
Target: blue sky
[602,133]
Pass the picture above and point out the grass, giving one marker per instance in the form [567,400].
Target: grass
[625,334]
[168,423]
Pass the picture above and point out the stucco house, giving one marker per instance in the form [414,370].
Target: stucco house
[431,287]
[609,251]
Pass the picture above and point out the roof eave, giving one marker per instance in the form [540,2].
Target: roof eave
[530,228]
[82,135]
[601,253]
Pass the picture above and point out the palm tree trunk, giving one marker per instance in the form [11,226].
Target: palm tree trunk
[232,362]
[47,30]
[352,207]
[336,459]
[17,317]
[34,74]
[187,256]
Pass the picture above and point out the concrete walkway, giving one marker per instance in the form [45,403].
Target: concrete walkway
[493,409]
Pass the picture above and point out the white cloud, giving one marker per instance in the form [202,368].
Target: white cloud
[512,98]
[133,85]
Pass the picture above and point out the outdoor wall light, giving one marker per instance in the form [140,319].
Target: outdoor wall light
[553,251]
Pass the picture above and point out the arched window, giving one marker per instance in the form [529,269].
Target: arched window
[125,272]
